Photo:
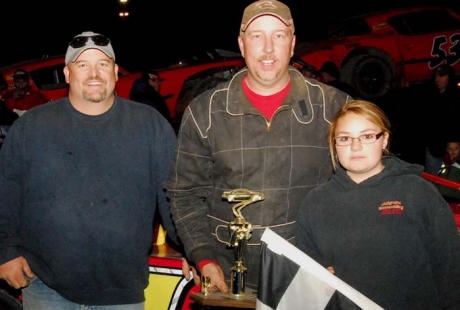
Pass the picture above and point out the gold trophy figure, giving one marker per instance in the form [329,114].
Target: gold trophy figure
[240,232]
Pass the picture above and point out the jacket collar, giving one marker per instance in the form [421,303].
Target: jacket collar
[302,107]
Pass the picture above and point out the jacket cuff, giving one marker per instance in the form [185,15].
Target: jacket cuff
[204,262]
[201,254]
[8,254]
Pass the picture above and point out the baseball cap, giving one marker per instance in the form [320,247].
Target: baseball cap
[267,7]
[153,75]
[87,40]
[20,74]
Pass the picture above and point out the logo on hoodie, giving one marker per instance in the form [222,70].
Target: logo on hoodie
[391,207]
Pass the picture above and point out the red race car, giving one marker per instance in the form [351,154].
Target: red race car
[182,81]
[383,50]
[47,76]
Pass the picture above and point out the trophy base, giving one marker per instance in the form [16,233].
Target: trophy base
[237,281]
[218,299]
[238,296]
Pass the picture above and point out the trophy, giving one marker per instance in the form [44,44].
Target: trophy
[240,232]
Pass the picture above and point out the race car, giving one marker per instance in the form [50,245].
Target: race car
[383,50]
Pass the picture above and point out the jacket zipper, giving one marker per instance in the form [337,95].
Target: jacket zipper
[269,122]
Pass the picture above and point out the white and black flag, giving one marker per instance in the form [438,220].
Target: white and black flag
[290,280]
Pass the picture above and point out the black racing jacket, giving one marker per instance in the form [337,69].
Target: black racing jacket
[225,143]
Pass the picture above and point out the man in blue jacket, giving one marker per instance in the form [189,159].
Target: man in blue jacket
[80,180]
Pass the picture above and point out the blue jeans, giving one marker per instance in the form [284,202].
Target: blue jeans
[38,296]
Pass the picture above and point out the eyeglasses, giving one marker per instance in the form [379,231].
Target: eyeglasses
[81,41]
[367,138]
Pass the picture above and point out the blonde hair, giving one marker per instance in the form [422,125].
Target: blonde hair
[366,109]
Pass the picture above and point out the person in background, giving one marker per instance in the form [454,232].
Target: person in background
[80,180]
[7,118]
[450,170]
[309,71]
[440,116]
[146,89]
[264,130]
[23,97]
[377,224]
[329,73]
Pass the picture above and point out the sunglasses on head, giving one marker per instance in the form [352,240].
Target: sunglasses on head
[81,41]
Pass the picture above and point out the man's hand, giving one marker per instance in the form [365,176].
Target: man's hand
[186,272]
[216,275]
[16,272]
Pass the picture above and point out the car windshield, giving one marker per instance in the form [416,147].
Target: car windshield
[347,27]
[204,56]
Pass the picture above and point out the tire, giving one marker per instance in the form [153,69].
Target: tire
[371,75]
[8,302]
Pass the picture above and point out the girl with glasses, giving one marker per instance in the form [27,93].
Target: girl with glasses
[377,224]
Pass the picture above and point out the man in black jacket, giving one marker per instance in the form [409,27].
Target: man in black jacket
[441,111]
[7,118]
[264,130]
[146,89]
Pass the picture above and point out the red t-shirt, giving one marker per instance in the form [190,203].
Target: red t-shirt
[267,105]
[31,98]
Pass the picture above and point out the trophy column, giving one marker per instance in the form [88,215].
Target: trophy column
[240,232]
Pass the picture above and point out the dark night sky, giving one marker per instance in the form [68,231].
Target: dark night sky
[156,31]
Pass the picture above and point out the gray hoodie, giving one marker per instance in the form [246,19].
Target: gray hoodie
[392,237]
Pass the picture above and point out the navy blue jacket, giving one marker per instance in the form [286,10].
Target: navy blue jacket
[78,195]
